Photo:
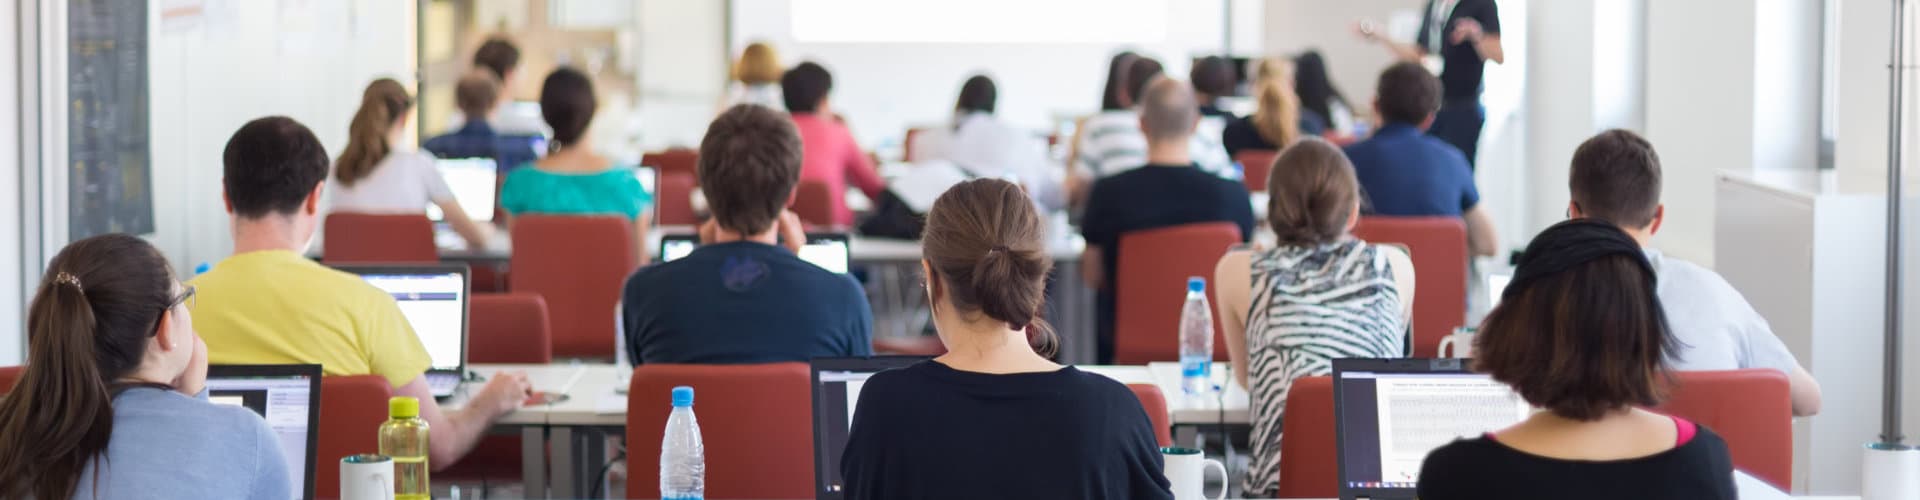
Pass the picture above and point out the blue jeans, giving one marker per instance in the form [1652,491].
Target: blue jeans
[1459,122]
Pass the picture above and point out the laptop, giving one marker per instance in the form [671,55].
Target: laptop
[473,183]
[288,397]
[836,390]
[434,298]
[1389,413]
[830,251]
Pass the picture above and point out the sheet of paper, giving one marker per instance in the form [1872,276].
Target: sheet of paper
[611,404]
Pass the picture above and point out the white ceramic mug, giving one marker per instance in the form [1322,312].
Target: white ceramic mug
[366,477]
[1187,471]
[1458,345]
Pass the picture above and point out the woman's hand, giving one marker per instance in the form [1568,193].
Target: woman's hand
[194,378]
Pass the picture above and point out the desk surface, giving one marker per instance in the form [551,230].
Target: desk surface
[860,248]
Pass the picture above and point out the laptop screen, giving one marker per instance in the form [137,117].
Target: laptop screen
[1392,414]
[434,300]
[836,391]
[472,182]
[287,396]
[829,251]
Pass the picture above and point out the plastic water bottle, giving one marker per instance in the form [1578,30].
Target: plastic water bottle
[1196,339]
[404,437]
[683,460]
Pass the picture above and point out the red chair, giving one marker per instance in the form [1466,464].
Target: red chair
[906,144]
[674,161]
[675,203]
[1307,442]
[813,202]
[1155,405]
[1439,249]
[1256,163]
[351,409]
[8,376]
[1751,409]
[578,264]
[1151,284]
[379,239]
[756,422]
[502,328]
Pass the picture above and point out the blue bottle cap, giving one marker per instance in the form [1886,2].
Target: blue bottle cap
[683,397]
[1196,284]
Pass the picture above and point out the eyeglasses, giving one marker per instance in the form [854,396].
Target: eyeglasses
[186,298]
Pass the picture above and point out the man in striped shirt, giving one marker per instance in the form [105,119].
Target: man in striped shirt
[1113,142]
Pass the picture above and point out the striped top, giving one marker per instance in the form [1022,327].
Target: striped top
[1113,144]
[1310,305]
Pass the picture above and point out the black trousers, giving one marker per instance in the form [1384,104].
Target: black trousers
[1459,122]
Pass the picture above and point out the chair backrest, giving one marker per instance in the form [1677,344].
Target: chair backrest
[379,239]
[351,410]
[675,205]
[1255,164]
[1155,403]
[1751,409]
[509,328]
[813,202]
[906,143]
[1151,284]
[1308,446]
[674,161]
[8,376]
[756,422]
[1439,249]
[578,264]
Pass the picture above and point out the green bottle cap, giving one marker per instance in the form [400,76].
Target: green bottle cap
[403,407]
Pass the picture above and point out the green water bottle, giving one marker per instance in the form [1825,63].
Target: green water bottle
[404,437]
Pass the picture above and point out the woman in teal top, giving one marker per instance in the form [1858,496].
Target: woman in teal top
[573,180]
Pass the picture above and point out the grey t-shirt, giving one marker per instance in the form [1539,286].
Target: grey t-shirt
[168,445]
[1716,327]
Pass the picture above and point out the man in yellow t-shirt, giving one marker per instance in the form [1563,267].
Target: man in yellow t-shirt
[267,304]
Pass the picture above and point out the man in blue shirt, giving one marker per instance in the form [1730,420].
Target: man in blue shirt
[744,296]
[1404,172]
[477,94]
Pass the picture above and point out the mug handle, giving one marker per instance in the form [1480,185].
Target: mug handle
[1224,480]
[1446,346]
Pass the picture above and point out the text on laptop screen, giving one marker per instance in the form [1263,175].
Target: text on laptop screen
[284,401]
[435,305]
[472,183]
[1392,420]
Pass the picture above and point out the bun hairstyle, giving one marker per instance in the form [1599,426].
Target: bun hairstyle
[101,299]
[984,245]
[381,106]
[1313,191]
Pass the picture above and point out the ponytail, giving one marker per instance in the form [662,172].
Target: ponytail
[381,106]
[1277,116]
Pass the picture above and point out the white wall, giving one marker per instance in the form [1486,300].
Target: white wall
[12,343]
[1354,64]
[683,67]
[1699,101]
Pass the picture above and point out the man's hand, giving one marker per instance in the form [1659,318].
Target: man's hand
[503,393]
[793,233]
[1466,30]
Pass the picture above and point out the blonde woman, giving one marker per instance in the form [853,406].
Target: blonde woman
[756,78]
[1275,123]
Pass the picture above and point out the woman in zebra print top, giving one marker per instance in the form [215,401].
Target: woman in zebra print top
[1289,311]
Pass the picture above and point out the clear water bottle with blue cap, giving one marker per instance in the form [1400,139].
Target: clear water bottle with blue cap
[1196,339]
[683,459]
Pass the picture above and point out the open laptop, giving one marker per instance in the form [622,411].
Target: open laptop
[836,390]
[435,300]
[288,397]
[1389,413]
[830,251]
[473,181]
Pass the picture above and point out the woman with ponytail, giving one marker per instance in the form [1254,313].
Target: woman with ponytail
[373,175]
[1320,294]
[113,402]
[995,417]
[1276,120]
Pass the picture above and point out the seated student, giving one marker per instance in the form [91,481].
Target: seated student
[499,56]
[1616,178]
[832,156]
[756,78]
[1323,108]
[478,94]
[994,418]
[373,176]
[742,297]
[1321,293]
[1580,334]
[1168,191]
[575,180]
[1113,99]
[1213,79]
[984,146]
[114,402]
[1113,141]
[270,305]
[1404,172]
[1276,121]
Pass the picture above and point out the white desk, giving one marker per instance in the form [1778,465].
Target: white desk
[1228,406]
[573,430]
[860,248]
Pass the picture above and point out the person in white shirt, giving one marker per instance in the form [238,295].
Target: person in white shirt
[756,79]
[1112,142]
[1616,178]
[373,176]
[983,146]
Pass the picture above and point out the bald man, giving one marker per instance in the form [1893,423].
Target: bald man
[1168,191]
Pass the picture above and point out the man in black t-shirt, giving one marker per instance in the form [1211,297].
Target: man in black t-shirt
[1168,191]
[1465,34]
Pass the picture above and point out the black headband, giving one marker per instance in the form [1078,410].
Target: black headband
[1570,244]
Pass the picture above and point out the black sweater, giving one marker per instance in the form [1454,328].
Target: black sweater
[1482,469]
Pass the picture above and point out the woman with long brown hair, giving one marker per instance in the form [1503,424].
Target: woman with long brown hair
[1275,122]
[373,175]
[113,403]
[995,417]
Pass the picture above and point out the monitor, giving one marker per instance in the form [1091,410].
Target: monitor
[1391,412]
[836,392]
[473,183]
[434,299]
[830,251]
[288,397]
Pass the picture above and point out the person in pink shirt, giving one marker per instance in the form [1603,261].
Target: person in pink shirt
[831,157]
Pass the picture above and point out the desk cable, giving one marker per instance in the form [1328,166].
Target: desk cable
[600,478]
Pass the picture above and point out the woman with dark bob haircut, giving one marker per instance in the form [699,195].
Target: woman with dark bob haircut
[1580,334]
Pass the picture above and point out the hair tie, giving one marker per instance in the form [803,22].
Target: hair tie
[66,278]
